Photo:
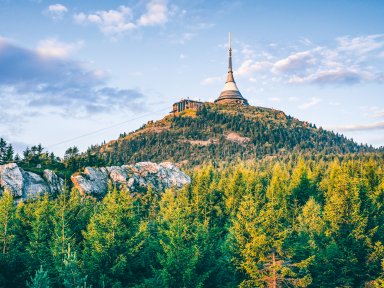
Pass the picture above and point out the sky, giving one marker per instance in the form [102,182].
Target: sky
[77,73]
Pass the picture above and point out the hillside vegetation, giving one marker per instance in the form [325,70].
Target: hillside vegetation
[224,133]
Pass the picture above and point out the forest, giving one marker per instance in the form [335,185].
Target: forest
[290,221]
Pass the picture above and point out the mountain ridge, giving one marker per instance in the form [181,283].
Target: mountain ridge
[224,132]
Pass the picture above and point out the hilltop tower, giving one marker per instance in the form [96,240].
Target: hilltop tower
[231,94]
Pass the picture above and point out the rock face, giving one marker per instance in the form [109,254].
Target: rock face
[134,177]
[93,181]
[24,185]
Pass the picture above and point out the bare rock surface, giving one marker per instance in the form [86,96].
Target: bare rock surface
[11,178]
[133,177]
[93,181]
[23,184]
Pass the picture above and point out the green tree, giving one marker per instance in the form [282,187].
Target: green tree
[36,220]
[7,222]
[343,258]
[63,219]
[188,254]
[70,273]
[40,280]
[112,242]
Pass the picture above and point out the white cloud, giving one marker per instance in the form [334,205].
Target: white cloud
[310,103]
[53,48]
[56,11]
[249,67]
[157,14]
[297,61]
[334,103]
[248,52]
[379,114]
[110,22]
[59,8]
[116,22]
[210,80]
[336,76]
[361,127]
[361,45]
[274,99]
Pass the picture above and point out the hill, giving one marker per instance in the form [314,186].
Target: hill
[223,132]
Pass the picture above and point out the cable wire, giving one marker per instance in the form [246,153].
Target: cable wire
[103,129]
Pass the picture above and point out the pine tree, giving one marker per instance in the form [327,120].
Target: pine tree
[187,257]
[40,280]
[70,273]
[36,217]
[62,218]
[113,240]
[7,222]
[300,185]
[347,248]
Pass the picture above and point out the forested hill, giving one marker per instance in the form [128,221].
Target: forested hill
[224,133]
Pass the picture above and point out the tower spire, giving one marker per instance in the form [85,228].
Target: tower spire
[230,94]
[230,72]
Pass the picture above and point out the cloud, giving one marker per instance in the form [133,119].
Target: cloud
[110,22]
[157,14]
[361,127]
[336,76]
[379,114]
[56,11]
[293,99]
[274,99]
[116,22]
[249,67]
[211,80]
[53,48]
[361,45]
[37,84]
[297,61]
[310,103]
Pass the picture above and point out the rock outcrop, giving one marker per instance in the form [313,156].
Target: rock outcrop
[24,185]
[94,181]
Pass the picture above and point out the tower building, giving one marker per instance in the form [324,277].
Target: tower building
[230,93]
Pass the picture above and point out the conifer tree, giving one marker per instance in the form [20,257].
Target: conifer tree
[187,257]
[64,220]
[347,250]
[7,222]
[37,219]
[112,242]
[70,274]
[40,280]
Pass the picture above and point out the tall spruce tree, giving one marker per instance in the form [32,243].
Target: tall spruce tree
[112,242]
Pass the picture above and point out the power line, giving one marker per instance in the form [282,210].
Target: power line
[103,129]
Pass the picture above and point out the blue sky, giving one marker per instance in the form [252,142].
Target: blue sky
[81,72]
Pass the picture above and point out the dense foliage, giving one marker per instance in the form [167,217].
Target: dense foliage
[192,138]
[288,222]
[6,152]
[36,159]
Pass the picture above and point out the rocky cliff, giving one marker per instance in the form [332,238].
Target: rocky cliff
[93,181]
[23,184]
[134,177]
